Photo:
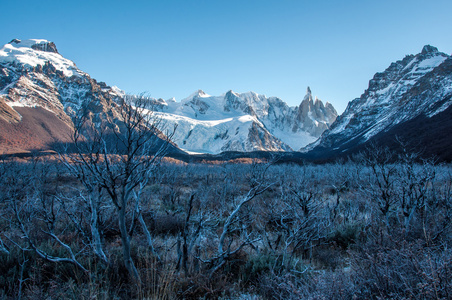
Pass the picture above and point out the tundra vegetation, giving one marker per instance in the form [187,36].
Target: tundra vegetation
[101,223]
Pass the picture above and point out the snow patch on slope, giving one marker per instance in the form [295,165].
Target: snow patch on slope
[23,52]
[207,136]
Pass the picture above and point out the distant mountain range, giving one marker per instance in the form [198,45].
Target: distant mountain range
[244,122]
[41,93]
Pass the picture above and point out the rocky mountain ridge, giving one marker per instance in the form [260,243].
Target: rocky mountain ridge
[41,93]
[416,87]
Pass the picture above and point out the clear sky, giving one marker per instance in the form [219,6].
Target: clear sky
[171,48]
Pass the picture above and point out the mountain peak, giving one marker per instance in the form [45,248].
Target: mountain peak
[308,96]
[15,41]
[429,49]
[35,44]
[34,52]
[231,92]
[200,93]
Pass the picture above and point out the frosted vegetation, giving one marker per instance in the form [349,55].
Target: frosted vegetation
[375,226]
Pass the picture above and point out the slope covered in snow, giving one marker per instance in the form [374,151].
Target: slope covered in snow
[34,52]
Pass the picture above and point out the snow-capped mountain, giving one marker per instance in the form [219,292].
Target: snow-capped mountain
[35,74]
[40,94]
[244,122]
[415,90]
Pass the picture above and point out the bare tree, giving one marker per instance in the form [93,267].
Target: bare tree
[382,179]
[115,161]
[27,213]
[31,209]
[189,236]
[235,222]
[299,219]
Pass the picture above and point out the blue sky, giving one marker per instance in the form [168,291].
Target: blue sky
[171,48]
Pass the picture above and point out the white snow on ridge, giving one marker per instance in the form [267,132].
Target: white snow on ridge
[189,107]
[199,93]
[247,118]
[178,118]
[23,53]
[414,60]
[419,69]
[117,91]
[206,136]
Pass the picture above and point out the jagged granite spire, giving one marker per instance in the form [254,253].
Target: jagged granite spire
[313,116]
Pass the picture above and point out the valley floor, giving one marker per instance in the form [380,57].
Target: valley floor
[364,229]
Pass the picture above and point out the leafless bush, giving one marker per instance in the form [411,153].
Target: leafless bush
[405,270]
